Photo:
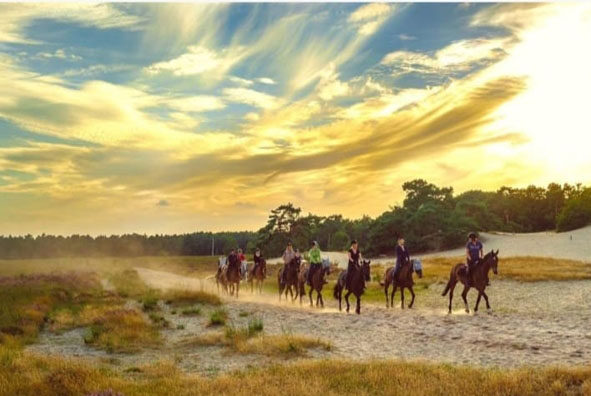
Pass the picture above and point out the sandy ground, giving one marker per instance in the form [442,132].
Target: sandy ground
[543,323]
[574,245]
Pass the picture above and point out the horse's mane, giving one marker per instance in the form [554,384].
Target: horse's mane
[487,256]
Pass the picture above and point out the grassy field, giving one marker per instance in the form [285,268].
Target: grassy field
[24,374]
[61,294]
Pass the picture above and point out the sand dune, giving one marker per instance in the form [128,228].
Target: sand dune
[574,245]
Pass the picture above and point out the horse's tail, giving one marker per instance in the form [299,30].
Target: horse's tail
[452,276]
[337,289]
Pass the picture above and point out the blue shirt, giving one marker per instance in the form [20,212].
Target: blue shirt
[474,250]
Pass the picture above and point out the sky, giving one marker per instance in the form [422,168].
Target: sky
[172,118]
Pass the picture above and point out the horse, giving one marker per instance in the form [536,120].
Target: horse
[291,278]
[317,283]
[301,286]
[479,274]
[221,280]
[233,278]
[403,280]
[359,276]
[259,276]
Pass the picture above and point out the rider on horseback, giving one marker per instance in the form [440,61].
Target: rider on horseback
[402,256]
[315,261]
[232,259]
[354,257]
[258,259]
[474,252]
[288,255]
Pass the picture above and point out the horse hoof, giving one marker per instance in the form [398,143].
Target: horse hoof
[467,311]
[489,311]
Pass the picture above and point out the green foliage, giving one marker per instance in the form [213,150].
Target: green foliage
[576,213]
[194,311]
[218,317]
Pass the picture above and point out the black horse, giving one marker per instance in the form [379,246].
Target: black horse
[291,278]
[360,275]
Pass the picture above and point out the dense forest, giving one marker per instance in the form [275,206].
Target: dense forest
[430,218]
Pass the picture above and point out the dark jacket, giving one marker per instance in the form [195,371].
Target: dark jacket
[402,255]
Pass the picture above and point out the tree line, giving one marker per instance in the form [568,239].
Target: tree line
[429,218]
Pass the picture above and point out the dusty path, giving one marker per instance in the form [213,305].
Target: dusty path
[544,323]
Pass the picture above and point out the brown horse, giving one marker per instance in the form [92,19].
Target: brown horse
[291,278]
[302,277]
[403,280]
[360,275]
[233,278]
[258,276]
[317,282]
[220,279]
[479,274]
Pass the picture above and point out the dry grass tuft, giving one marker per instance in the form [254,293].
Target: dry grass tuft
[191,297]
[121,330]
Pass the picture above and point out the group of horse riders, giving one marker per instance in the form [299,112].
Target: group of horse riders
[291,274]
[474,254]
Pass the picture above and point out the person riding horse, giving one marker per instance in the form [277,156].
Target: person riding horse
[402,256]
[258,258]
[288,255]
[354,257]
[315,258]
[232,260]
[474,253]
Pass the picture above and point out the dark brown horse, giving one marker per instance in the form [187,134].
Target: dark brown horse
[317,282]
[291,278]
[258,275]
[479,274]
[232,275]
[360,275]
[404,280]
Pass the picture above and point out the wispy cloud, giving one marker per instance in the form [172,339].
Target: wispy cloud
[197,60]
[251,97]
[368,18]
[16,17]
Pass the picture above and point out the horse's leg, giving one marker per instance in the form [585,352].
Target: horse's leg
[394,287]
[347,299]
[412,293]
[402,297]
[237,288]
[310,295]
[321,300]
[386,287]
[486,299]
[464,295]
[478,301]
[358,309]
[340,294]
[451,296]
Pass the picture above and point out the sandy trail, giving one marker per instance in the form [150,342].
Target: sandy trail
[544,323]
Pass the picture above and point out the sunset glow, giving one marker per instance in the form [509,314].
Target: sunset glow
[164,118]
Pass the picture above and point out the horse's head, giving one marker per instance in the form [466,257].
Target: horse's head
[366,270]
[494,261]
[295,264]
